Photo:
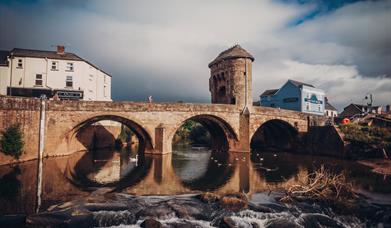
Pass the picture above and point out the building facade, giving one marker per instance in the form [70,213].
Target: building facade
[294,95]
[32,73]
[231,77]
[329,110]
[356,110]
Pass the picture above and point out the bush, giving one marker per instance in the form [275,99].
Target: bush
[12,141]
[193,133]
[367,141]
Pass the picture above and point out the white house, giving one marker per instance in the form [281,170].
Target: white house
[31,73]
[329,110]
[296,96]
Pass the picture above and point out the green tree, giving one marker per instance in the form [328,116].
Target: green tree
[12,141]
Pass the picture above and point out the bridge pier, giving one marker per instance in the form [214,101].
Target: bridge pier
[243,143]
[162,142]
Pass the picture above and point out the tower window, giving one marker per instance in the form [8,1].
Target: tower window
[222,91]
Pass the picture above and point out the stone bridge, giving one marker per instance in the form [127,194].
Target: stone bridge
[155,124]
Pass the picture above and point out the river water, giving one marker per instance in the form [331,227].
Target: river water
[259,175]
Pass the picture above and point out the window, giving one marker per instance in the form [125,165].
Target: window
[38,80]
[20,63]
[54,65]
[105,91]
[222,91]
[69,82]
[104,79]
[69,66]
[290,99]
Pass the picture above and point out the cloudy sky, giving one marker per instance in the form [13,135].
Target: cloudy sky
[162,48]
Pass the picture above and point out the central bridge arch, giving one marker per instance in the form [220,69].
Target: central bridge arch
[223,136]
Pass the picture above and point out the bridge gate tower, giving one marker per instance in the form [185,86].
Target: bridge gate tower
[231,77]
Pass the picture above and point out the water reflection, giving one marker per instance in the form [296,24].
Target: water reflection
[201,169]
[274,167]
[185,171]
[103,167]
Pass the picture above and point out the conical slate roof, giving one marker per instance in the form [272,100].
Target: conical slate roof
[232,53]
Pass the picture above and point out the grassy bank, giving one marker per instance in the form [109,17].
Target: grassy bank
[367,142]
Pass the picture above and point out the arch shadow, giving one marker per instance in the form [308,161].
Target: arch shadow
[275,134]
[145,140]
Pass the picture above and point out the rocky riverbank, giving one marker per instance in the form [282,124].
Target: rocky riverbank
[381,166]
[205,210]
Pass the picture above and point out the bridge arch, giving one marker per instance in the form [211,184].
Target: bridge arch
[223,136]
[275,133]
[145,139]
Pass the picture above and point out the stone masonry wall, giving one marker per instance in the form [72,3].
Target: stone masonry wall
[26,113]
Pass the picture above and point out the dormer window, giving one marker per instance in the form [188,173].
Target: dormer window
[20,63]
[69,66]
[54,65]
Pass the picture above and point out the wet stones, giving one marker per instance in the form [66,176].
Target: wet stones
[208,197]
[282,223]
[319,220]
[156,211]
[227,222]
[150,223]
[113,218]
[231,210]
[106,206]
[234,202]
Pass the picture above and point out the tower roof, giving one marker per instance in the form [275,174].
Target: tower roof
[232,53]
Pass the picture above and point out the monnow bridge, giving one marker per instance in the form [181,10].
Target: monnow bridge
[233,122]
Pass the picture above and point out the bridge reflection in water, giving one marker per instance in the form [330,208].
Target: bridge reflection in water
[184,171]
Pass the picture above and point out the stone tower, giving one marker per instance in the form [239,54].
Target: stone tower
[231,77]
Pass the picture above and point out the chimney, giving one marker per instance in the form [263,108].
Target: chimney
[60,49]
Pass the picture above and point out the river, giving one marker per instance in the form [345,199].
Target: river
[88,176]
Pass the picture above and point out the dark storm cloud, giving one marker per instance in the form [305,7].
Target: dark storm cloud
[162,48]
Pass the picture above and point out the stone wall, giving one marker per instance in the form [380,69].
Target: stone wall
[325,140]
[26,113]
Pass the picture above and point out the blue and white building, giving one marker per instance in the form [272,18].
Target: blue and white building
[297,96]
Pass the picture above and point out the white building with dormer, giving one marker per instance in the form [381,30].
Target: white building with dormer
[31,73]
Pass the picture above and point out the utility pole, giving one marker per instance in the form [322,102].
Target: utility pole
[370,102]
